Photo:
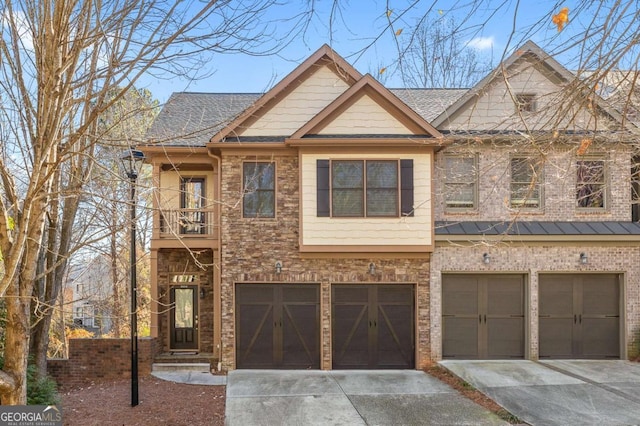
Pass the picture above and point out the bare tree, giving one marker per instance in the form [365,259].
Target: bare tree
[100,197]
[438,55]
[61,61]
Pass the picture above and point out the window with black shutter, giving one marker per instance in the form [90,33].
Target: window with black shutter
[364,188]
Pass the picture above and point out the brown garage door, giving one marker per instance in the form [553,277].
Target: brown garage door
[483,316]
[278,326]
[373,326]
[579,316]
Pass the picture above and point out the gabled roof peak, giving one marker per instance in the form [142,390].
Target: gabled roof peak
[325,55]
[369,86]
[529,47]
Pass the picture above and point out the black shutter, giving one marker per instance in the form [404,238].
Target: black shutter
[406,187]
[324,206]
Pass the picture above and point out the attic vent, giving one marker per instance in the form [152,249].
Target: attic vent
[525,103]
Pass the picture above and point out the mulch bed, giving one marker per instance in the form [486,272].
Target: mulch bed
[161,403]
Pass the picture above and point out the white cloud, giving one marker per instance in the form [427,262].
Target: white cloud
[482,43]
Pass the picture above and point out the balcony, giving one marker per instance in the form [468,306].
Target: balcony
[188,223]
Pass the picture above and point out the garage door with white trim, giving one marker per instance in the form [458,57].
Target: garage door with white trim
[579,316]
[482,316]
[278,326]
[373,326]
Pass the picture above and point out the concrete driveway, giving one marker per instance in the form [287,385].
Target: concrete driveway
[406,397]
[559,392]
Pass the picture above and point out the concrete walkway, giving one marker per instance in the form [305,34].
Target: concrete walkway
[191,377]
[191,373]
[559,392]
[405,397]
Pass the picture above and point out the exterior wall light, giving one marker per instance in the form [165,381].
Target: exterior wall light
[278,267]
[486,259]
[372,268]
[584,258]
[203,293]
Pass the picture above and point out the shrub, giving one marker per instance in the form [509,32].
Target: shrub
[40,391]
[77,333]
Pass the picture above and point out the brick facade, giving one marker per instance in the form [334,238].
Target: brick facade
[558,182]
[528,258]
[184,262]
[93,360]
[532,260]
[251,247]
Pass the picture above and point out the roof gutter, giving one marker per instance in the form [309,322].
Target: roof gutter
[217,284]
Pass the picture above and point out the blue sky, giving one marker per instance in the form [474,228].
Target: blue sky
[494,29]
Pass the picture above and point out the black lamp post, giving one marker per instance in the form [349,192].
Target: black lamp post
[132,160]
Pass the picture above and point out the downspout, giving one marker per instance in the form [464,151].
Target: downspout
[217,284]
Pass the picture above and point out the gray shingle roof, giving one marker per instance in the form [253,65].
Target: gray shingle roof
[191,119]
[429,103]
[479,228]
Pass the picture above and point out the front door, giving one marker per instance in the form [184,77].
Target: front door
[184,317]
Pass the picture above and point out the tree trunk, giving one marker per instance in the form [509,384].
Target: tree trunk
[40,331]
[13,384]
[18,297]
[58,247]
[62,332]
[47,292]
[115,304]
[40,344]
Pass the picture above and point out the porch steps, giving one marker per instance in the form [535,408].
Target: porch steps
[184,361]
[202,367]
[178,357]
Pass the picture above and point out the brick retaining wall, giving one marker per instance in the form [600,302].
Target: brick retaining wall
[92,360]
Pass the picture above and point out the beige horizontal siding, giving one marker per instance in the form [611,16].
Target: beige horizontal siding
[556,108]
[365,116]
[300,106]
[168,192]
[367,231]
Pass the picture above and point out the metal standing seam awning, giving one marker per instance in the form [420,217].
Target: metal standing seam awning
[532,230]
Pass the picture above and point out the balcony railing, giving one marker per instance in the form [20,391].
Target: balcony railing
[187,222]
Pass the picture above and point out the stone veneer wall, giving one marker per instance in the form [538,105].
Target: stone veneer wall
[181,261]
[533,260]
[251,247]
[92,360]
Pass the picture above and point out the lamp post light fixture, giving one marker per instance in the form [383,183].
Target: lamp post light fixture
[132,160]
